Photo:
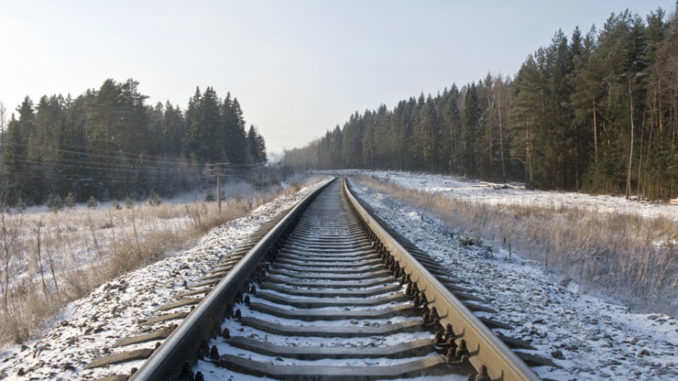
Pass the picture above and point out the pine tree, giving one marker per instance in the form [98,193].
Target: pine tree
[352,142]
[193,115]
[470,125]
[210,129]
[256,147]
[174,131]
[234,130]
[452,124]
[14,160]
[427,133]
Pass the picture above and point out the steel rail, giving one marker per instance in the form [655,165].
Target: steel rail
[167,361]
[486,351]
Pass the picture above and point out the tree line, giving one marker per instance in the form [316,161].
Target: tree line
[596,112]
[108,143]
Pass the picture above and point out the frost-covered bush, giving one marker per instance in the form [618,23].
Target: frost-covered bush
[20,204]
[54,202]
[154,200]
[69,200]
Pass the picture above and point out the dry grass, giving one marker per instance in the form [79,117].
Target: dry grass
[49,259]
[626,256]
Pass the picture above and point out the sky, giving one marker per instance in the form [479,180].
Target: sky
[298,68]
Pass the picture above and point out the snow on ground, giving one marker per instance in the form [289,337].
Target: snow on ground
[589,338]
[505,194]
[67,235]
[88,327]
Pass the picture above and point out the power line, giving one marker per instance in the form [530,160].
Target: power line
[43,171]
[93,157]
[115,155]
[119,169]
[158,177]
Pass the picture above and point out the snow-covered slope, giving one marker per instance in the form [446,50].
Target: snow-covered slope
[589,338]
[496,194]
[88,327]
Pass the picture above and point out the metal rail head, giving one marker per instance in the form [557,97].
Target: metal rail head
[181,347]
[488,355]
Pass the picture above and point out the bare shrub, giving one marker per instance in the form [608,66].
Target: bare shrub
[28,308]
[79,282]
[627,256]
[9,239]
[294,187]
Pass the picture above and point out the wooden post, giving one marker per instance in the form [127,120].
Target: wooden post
[219,187]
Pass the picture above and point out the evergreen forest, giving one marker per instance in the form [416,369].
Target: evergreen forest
[594,112]
[109,144]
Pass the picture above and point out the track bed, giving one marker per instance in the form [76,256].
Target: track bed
[327,308]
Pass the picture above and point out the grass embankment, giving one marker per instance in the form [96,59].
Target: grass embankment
[626,256]
[49,259]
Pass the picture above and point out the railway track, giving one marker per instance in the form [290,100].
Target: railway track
[329,293]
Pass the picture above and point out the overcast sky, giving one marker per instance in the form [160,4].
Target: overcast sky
[298,68]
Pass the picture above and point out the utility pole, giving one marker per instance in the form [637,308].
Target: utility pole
[261,175]
[219,190]
[218,170]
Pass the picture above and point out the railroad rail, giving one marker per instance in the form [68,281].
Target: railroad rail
[327,291]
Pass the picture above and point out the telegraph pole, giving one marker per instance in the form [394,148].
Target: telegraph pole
[219,190]
[218,170]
